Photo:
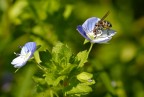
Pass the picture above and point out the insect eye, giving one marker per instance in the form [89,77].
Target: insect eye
[110,25]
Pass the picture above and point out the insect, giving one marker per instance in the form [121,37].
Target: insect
[102,24]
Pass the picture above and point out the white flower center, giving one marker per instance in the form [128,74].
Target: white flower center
[91,35]
[26,56]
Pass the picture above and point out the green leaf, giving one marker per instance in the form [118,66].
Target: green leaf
[53,79]
[61,54]
[50,78]
[84,77]
[79,90]
[39,80]
[82,58]
[67,69]
[57,81]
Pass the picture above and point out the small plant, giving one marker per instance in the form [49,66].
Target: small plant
[62,73]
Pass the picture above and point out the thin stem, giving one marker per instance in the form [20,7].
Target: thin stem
[39,66]
[90,48]
[51,93]
[17,70]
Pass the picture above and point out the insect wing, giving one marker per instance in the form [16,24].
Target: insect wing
[108,33]
[105,36]
[105,16]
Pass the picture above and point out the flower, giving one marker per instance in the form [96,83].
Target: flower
[26,53]
[86,30]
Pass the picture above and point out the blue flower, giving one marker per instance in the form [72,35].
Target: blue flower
[26,53]
[87,31]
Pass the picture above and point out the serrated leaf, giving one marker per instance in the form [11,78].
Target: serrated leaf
[84,76]
[80,89]
[57,81]
[50,78]
[89,82]
[61,54]
[67,69]
[82,58]
[39,80]
[54,80]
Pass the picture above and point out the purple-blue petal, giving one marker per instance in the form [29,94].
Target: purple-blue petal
[29,47]
[89,24]
[82,32]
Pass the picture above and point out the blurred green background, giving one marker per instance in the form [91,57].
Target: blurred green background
[119,64]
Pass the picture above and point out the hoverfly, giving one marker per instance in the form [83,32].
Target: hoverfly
[102,24]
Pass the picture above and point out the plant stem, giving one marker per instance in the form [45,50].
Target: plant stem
[17,70]
[39,66]
[90,49]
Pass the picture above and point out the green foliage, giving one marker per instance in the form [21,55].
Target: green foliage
[82,57]
[61,71]
[80,89]
[84,76]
